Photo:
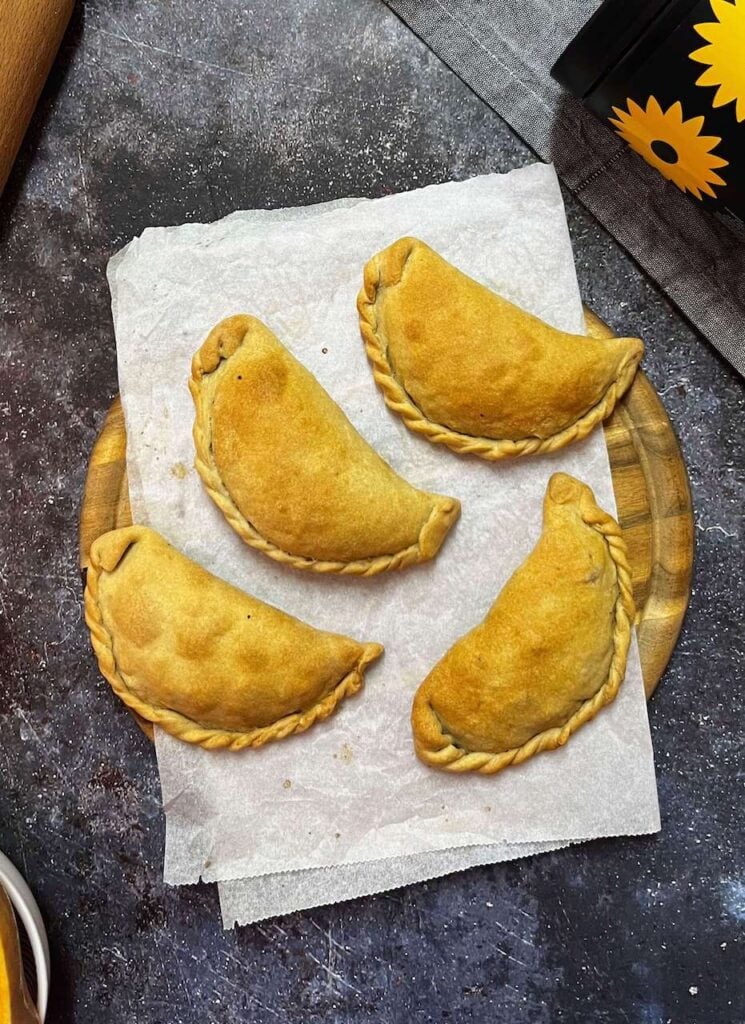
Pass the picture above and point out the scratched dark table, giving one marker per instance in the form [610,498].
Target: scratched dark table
[164,113]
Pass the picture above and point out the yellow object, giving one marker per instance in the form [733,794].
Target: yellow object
[289,471]
[15,1002]
[468,369]
[693,167]
[550,653]
[30,34]
[200,658]
[725,54]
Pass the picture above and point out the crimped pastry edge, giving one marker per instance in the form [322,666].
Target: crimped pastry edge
[437,748]
[181,726]
[385,270]
[445,510]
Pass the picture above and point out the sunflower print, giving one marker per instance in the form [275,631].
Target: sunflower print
[725,54]
[674,146]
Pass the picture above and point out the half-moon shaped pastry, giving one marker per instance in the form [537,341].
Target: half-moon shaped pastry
[289,471]
[468,369]
[550,653]
[16,1006]
[200,658]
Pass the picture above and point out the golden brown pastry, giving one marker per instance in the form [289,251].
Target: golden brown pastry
[468,369]
[16,1006]
[200,658]
[550,653]
[289,471]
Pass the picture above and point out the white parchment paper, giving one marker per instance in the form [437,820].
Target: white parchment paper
[246,900]
[351,790]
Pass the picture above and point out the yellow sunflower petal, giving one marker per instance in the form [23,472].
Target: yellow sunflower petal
[702,56]
[708,77]
[694,126]
[708,30]
[724,95]
[722,9]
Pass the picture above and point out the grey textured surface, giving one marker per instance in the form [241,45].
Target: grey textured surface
[165,113]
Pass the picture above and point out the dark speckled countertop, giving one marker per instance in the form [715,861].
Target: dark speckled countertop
[163,113]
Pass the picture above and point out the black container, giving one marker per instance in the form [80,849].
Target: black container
[668,76]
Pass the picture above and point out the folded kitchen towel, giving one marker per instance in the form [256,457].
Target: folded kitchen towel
[504,52]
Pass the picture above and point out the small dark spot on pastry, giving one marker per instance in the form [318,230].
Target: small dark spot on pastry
[248,616]
[325,351]
[240,377]
[337,835]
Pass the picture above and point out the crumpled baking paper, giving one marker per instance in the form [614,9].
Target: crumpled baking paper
[351,790]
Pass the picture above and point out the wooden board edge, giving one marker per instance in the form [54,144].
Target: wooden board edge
[671,508]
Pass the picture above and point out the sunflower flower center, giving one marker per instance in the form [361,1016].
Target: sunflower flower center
[664,151]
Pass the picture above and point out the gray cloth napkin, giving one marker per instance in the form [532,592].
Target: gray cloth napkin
[504,52]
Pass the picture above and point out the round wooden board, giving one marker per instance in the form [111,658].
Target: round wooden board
[649,479]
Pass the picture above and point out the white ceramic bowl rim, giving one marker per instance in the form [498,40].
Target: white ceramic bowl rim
[28,912]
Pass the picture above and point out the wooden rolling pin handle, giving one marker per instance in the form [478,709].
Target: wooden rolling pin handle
[30,34]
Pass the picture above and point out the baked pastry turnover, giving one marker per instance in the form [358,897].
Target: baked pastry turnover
[200,658]
[16,1006]
[468,369]
[550,653]
[289,471]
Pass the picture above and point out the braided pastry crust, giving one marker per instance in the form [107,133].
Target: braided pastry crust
[386,271]
[336,494]
[172,640]
[439,748]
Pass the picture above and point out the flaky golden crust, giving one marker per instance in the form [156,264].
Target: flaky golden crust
[439,748]
[16,1006]
[161,597]
[385,271]
[330,444]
